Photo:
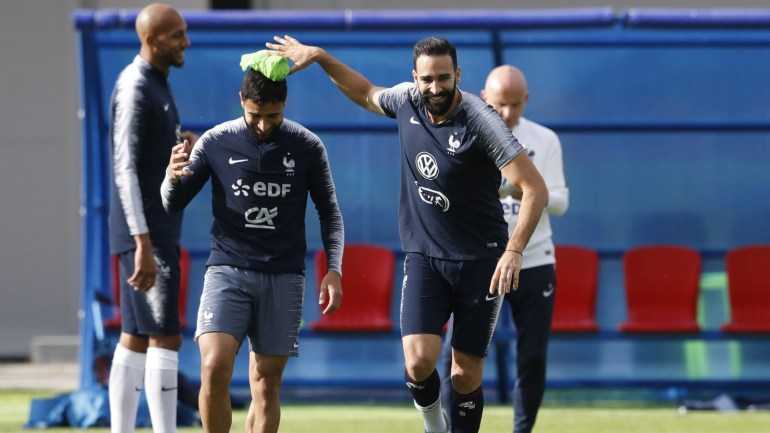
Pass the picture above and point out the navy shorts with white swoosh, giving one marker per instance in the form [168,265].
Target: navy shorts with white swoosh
[433,289]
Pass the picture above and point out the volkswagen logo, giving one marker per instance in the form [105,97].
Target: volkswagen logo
[426,165]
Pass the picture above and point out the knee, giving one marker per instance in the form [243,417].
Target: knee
[467,375]
[168,342]
[215,369]
[266,388]
[419,367]
[133,343]
[465,381]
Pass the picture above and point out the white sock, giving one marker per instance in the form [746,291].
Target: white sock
[126,379]
[433,416]
[160,386]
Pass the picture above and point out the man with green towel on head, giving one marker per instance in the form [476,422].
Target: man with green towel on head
[262,168]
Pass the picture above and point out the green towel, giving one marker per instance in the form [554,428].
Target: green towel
[272,66]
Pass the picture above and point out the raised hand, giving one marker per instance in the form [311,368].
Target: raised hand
[180,159]
[301,55]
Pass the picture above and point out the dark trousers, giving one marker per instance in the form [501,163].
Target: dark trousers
[531,308]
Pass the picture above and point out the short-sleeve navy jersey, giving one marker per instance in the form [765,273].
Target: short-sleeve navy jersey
[143,128]
[450,174]
[259,195]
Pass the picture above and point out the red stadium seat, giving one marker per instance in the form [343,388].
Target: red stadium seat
[367,281]
[748,281]
[661,289]
[577,271]
[114,322]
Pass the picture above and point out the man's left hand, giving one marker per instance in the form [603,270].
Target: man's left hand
[330,297]
[506,276]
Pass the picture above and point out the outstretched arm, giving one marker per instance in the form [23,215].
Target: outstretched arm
[354,85]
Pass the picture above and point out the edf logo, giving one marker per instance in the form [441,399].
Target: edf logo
[261,189]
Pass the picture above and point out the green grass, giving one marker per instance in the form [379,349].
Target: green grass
[338,418]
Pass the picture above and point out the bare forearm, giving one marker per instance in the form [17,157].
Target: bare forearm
[354,85]
[532,205]
[534,197]
[509,190]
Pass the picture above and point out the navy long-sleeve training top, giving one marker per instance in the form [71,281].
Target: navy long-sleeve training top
[259,195]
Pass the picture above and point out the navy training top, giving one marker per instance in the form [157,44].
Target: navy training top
[450,174]
[259,195]
[144,126]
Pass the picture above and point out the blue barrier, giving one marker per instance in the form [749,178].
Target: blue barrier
[347,20]
[689,18]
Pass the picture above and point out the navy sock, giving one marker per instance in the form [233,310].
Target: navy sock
[424,393]
[466,411]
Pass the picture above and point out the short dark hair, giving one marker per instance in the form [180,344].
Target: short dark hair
[433,46]
[260,89]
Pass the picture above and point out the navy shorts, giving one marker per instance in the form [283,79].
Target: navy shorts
[266,307]
[433,289]
[156,311]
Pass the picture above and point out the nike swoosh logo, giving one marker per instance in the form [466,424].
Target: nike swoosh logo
[547,293]
[164,389]
[137,389]
[232,161]
[490,298]
[414,121]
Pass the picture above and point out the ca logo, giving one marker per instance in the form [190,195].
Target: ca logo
[261,218]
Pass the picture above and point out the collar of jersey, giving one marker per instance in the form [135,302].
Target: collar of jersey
[146,66]
[270,138]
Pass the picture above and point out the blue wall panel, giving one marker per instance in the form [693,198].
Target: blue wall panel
[696,189]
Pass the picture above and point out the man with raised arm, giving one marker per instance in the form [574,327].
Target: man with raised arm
[262,168]
[459,259]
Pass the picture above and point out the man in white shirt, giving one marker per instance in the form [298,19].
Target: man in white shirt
[532,303]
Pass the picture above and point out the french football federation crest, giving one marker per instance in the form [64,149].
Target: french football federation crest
[454,143]
[289,164]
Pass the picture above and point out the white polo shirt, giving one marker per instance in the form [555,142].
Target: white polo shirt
[544,149]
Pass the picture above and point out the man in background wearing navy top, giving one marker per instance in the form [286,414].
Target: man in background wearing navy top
[458,258]
[144,126]
[262,168]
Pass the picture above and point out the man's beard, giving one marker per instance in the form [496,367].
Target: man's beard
[440,107]
[175,60]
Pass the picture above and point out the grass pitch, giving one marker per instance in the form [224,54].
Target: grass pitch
[340,418]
